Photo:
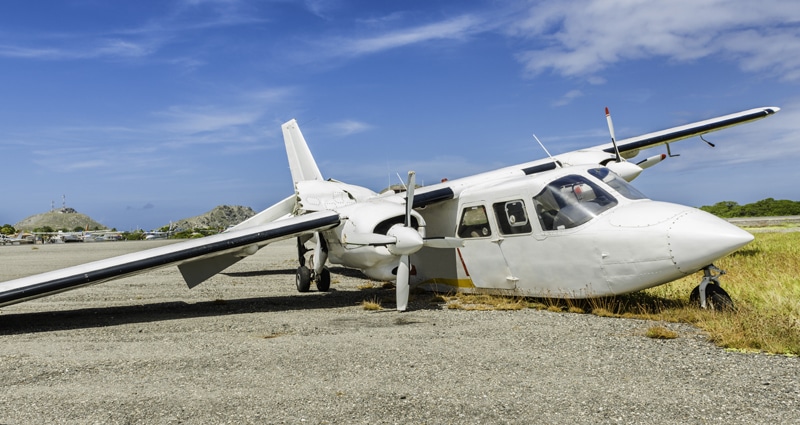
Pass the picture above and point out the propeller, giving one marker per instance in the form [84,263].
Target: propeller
[403,240]
[407,243]
[627,170]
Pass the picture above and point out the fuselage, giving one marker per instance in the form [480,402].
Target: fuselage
[572,232]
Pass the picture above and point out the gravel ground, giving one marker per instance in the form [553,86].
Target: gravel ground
[245,347]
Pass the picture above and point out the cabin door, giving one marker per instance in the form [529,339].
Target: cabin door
[481,255]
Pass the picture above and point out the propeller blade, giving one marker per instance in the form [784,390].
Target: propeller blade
[410,196]
[613,137]
[402,283]
[444,242]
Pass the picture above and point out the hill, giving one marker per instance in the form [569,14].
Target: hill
[65,218]
[220,217]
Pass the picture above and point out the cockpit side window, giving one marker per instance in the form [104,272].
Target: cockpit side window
[474,223]
[569,202]
[617,183]
[512,217]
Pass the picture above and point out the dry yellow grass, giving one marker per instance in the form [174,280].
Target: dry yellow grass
[483,302]
[372,305]
[764,283]
[660,332]
[366,285]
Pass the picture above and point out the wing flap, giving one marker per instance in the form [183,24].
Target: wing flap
[228,245]
[198,271]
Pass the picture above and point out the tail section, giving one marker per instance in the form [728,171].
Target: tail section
[301,162]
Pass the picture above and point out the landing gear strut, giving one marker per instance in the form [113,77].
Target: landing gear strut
[318,273]
[709,294]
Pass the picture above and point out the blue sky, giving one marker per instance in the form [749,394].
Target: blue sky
[151,111]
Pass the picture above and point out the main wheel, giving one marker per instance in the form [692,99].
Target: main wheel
[324,280]
[303,279]
[716,298]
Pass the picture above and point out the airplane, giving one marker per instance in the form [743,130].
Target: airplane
[155,234]
[565,226]
[19,239]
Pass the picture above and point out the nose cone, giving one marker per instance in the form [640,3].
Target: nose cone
[407,240]
[697,239]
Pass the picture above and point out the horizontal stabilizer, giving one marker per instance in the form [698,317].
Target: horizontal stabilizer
[228,244]
[281,210]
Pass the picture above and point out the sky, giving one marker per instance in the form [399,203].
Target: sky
[141,113]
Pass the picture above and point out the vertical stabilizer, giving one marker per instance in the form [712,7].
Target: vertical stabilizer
[301,162]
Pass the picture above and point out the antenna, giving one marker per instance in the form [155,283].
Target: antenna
[545,149]
[402,183]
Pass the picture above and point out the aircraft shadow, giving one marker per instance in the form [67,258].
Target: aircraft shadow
[290,272]
[97,317]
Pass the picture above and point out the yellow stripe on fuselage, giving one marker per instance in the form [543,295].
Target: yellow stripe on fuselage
[455,283]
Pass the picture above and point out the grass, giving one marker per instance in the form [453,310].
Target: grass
[483,302]
[372,305]
[763,280]
[764,283]
[660,332]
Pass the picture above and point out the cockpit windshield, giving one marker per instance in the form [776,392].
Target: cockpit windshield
[571,201]
[617,183]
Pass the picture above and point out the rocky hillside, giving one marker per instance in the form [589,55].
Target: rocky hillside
[67,218]
[219,218]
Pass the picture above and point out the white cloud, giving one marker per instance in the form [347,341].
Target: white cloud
[348,127]
[451,29]
[101,48]
[581,37]
[568,98]
[189,120]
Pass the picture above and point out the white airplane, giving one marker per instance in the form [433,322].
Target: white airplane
[20,238]
[568,226]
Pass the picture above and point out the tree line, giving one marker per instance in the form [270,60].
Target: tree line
[764,208]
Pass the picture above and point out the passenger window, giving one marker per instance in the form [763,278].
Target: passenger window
[474,223]
[569,202]
[511,217]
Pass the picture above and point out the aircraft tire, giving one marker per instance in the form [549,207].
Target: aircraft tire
[716,298]
[324,280]
[303,279]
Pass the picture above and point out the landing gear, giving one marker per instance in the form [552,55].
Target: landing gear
[323,280]
[318,273]
[709,294]
[303,279]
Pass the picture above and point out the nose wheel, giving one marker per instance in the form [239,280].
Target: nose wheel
[709,294]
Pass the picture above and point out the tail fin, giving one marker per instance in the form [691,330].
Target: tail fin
[301,162]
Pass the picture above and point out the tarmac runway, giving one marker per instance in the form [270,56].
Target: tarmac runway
[245,347]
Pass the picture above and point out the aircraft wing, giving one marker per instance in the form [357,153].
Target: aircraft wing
[631,146]
[600,155]
[215,251]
